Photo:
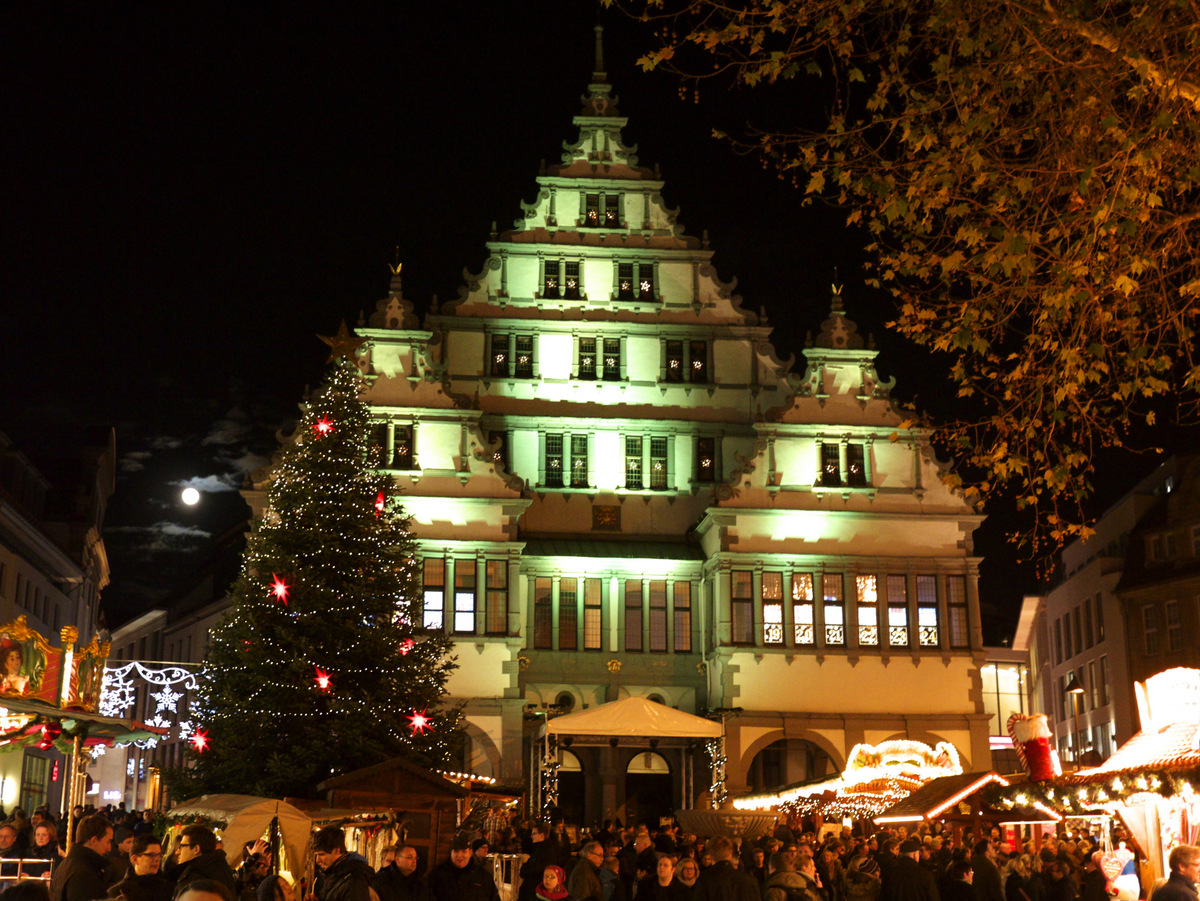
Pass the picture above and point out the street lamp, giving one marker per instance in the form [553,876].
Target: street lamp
[1074,688]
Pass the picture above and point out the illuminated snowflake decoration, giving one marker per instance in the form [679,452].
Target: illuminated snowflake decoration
[185,729]
[166,699]
[117,693]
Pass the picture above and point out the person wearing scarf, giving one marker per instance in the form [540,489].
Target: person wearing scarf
[554,885]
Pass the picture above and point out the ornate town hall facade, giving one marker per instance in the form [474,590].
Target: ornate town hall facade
[619,489]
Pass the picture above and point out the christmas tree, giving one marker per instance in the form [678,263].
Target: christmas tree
[321,666]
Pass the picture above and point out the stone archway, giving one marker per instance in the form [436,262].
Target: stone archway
[571,784]
[785,761]
[649,788]
[479,753]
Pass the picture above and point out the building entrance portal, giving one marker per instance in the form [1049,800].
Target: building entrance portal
[649,789]
[570,788]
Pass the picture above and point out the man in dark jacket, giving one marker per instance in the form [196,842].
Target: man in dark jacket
[198,857]
[400,881]
[910,881]
[957,884]
[459,878]
[145,883]
[1184,862]
[545,852]
[343,877]
[986,881]
[584,882]
[722,881]
[80,877]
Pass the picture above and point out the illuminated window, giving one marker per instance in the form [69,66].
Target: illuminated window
[834,609]
[802,607]
[579,461]
[635,281]
[568,614]
[897,595]
[403,457]
[433,592]
[587,358]
[543,613]
[658,617]
[706,459]
[464,597]
[524,357]
[633,614]
[676,370]
[501,356]
[572,287]
[772,600]
[856,465]
[496,579]
[927,612]
[633,462]
[592,610]
[601,211]
[956,611]
[554,461]
[866,589]
[1174,627]
[742,607]
[551,280]
[682,598]
[831,464]
[658,463]
[612,359]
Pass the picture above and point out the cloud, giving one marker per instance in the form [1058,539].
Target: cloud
[161,536]
[166,442]
[233,429]
[132,461]
[229,481]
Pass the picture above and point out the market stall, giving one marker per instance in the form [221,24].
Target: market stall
[957,803]
[1152,782]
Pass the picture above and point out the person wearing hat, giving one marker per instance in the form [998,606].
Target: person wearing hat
[118,857]
[910,881]
[862,882]
[459,879]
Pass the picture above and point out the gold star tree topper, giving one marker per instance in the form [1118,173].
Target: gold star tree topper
[343,344]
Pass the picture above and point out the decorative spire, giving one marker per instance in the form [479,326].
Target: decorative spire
[598,74]
[396,287]
[838,332]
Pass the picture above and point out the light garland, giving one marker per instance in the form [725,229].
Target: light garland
[118,692]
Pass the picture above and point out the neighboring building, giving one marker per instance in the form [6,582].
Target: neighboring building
[156,656]
[1007,687]
[53,567]
[1109,607]
[618,488]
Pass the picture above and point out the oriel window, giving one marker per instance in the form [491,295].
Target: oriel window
[464,597]
[433,592]
[551,284]
[658,463]
[867,610]
[579,461]
[524,357]
[834,609]
[698,362]
[802,607]
[633,462]
[612,359]
[500,355]
[676,370]
[554,461]
[897,597]
[625,283]
[856,465]
[587,358]
[402,457]
[927,612]
[772,599]
[496,577]
[831,464]
[591,213]
[742,607]
[572,289]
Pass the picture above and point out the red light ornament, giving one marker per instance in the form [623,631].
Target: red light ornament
[420,722]
[380,503]
[279,589]
[405,646]
[323,681]
[323,427]
[199,740]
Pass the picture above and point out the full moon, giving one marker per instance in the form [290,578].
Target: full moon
[190,496]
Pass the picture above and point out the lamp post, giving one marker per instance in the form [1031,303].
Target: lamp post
[1074,688]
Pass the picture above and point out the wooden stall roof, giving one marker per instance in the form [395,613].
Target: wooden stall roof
[393,777]
[937,800]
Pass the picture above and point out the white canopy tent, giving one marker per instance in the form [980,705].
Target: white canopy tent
[247,818]
[631,717]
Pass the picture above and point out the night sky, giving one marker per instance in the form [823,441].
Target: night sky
[192,192]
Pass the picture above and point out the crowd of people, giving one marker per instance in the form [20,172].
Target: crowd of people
[119,856]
